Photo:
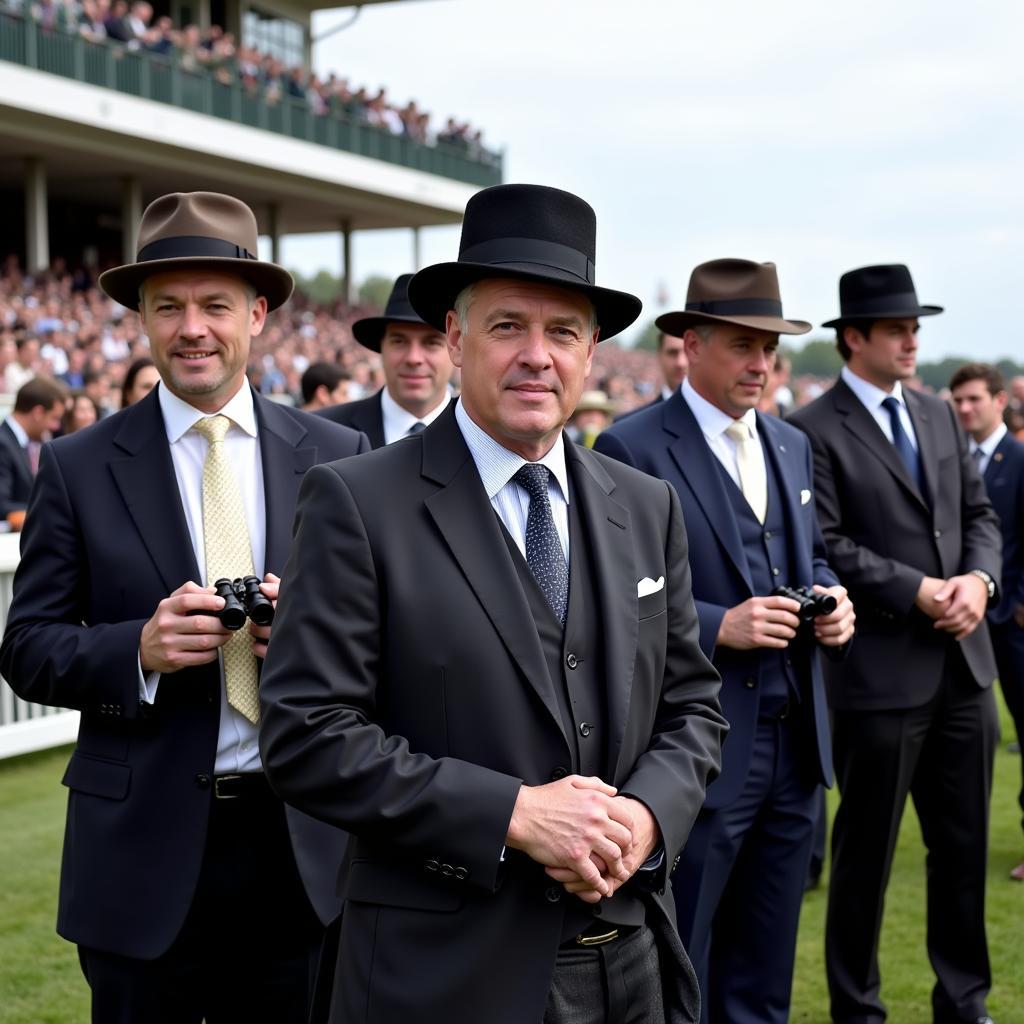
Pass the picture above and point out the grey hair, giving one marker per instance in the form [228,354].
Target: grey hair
[704,330]
[464,300]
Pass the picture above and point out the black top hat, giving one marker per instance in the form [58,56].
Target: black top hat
[529,232]
[369,331]
[878,293]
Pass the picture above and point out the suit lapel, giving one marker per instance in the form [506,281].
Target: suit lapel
[471,530]
[616,572]
[145,477]
[789,488]
[995,462]
[372,420]
[285,461]
[697,464]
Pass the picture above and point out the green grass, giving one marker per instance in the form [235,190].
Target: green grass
[40,982]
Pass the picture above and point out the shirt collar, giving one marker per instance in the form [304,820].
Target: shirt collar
[497,465]
[19,431]
[711,420]
[989,445]
[871,397]
[399,420]
[180,417]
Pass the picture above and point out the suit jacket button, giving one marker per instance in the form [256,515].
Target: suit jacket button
[203,780]
[447,870]
[553,894]
[461,874]
[432,864]
[559,773]
[571,660]
[585,728]
[938,534]
[749,682]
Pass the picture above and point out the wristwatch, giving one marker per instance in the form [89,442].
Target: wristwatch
[987,580]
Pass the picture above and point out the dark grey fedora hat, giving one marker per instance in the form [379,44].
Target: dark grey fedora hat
[529,232]
[882,292]
[369,331]
[193,231]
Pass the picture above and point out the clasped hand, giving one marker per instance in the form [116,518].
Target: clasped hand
[957,605]
[185,630]
[587,836]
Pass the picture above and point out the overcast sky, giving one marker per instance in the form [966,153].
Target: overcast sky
[820,136]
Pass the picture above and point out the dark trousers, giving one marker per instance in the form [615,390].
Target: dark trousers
[942,754]
[740,882]
[248,950]
[1008,642]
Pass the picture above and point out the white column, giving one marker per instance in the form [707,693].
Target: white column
[274,231]
[416,255]
[131,216]
[37,221]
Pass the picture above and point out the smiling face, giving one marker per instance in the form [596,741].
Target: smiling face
[525,352]
[200,324]
[730,367]
[416,366]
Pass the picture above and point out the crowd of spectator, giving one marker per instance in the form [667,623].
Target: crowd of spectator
[219,53]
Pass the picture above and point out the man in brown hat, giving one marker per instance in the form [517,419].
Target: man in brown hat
[485,667]
[189,887]
[911,532]
[417,372]
[744,481]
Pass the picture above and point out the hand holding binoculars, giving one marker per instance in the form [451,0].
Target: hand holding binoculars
[243,599]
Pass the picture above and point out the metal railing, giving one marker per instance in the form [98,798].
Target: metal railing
[154,77]
[25,727]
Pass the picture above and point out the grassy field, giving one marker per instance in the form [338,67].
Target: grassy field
[40,982]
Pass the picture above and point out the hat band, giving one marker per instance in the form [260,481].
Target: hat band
[191,246]
[880,304]
[531,250]
[736,307]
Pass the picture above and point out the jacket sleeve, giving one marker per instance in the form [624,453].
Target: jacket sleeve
[52,653]
[323,750]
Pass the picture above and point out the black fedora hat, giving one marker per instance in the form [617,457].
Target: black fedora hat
[883,292]
[369,331]
[528,232]
[197,231]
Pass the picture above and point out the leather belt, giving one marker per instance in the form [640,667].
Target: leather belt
[245,784]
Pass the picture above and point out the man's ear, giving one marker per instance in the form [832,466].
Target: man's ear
[453,335]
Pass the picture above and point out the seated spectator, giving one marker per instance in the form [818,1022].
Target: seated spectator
[26,365]
[594,411]
[81,412]
[139,379]
[37,414]
[324,385]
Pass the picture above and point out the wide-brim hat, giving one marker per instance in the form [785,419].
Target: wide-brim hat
[731,291]
[369,331]
[883,292]
[526,232]
[595,401]
[198,231]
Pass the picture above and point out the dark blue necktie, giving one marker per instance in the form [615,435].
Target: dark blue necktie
[415,428]
[544,553]
[909,455]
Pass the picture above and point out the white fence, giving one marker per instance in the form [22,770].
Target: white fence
[25,727]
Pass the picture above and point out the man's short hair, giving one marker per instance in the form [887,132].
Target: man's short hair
[330,375]
[861,326]
[465,299]
[979,371]
[39,391]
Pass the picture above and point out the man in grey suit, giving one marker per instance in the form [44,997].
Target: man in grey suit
[912,535]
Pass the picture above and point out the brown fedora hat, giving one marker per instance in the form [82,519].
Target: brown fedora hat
[733,292]
[193,231]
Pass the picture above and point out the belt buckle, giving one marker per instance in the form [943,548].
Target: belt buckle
[597,940]
[216,787]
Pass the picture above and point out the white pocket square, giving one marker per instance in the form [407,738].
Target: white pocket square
[648,586]
[805,496]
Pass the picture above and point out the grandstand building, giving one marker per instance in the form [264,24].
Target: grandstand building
[92,129]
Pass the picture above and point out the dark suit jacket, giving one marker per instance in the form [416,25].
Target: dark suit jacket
[883,537]
[666,441]
[1004,482]
[105,541]
[365,415]
[410,711]
[15,473]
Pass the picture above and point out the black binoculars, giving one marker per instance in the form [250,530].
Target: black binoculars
[812,604]
[243,599]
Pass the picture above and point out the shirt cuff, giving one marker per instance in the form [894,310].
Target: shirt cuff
[147,684]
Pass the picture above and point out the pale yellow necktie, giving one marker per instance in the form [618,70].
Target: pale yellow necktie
[750,464]
[228,554]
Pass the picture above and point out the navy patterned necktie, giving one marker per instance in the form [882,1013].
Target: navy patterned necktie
[909,455]
[544,553]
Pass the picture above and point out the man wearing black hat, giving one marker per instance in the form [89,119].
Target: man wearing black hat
[744,481]
[189,887]
[911,533]
[417,371]
[486,668]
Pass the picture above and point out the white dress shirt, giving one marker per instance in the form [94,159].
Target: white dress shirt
[872,397]
[237,750]
[497,465]
[987,447]
[397,420]
[714,423]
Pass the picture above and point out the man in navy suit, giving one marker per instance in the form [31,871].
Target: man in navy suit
[980,398]
[38,407]
[191,891]
[745,483]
